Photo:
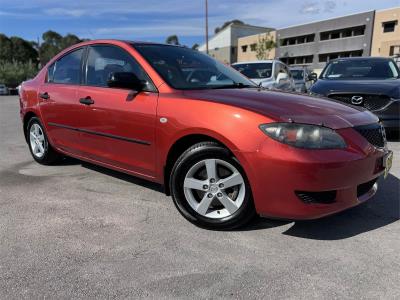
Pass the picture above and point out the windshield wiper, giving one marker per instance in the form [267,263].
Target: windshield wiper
[235,85]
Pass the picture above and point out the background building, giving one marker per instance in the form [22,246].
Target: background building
[316,43]
[223,45]
[247,46]
[386,36]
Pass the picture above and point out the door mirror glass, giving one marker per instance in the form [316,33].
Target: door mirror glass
[125,80]
[282,77]
[313,77]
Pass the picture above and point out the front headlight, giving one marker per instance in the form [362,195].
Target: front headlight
[304,136]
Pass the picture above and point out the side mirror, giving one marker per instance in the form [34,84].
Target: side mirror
[282,77]
[313,77]
[125,80]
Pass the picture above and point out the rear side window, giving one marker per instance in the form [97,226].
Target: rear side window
[67,69]
[104,60]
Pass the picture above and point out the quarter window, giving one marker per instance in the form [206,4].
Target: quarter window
[104,60]
[67,69]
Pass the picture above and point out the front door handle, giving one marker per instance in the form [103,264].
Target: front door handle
[44,96]
[86,101]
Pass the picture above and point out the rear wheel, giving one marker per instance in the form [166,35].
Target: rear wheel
[210,188]
[41,150]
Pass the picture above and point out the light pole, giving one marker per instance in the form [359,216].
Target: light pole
[206,26]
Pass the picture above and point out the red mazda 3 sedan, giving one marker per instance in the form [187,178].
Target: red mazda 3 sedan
[223,147]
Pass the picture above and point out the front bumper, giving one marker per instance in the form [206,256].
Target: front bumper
[277,171]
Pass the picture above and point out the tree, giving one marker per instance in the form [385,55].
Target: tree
[264,46]
[69,40]
[227,23]
[172,39]
[5,48]
[53,43]
[13,73]
[23,51]
[195,46]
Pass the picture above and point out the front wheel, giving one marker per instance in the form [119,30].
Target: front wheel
[210,188]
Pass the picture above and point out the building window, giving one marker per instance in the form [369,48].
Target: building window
[253,47]
[244,48]
[325,57]
[389,26]
[394,50]
[297,60]
[342,33]
[309,38]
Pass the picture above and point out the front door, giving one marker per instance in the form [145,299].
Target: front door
[118,125]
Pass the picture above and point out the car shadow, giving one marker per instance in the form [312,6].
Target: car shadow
[383,209]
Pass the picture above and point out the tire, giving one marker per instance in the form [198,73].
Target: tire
[39,146]
[208,202]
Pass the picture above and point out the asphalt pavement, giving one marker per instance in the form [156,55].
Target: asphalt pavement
[80,231]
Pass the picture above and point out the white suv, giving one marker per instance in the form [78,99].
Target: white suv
[271,74]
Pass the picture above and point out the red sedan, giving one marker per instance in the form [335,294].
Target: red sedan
[223,147]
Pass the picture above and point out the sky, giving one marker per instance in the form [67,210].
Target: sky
[151,20]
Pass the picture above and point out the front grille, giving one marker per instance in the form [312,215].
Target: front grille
[364,188]
[317,197]
[374,134]
[370,102]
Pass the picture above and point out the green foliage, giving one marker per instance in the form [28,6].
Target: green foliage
[172,39]
[16,49]
[13,73]
[19,58]
[195,46]
[53,43]
[264,46]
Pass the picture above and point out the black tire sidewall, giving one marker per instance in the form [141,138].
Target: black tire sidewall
[198,153]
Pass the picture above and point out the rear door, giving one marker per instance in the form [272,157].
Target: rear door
[58,100]
[118,127]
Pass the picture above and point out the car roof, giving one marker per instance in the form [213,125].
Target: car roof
[255,62]
[361,58]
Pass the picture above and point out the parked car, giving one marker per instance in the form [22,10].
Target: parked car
[302,80]
[270,74]
[372,83]
[221,146]
[3,89]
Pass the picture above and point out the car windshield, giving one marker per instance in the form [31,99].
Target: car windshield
[183,68]
[361,69]
[297,74]
[255,70]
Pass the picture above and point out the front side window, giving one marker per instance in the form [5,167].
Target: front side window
[255,70]
[185,69]
[104,60]
[67,69]
[361,69]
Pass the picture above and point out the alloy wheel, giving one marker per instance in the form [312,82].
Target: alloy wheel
[37,140]
[214,188]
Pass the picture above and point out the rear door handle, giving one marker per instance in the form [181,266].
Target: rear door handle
[44,96]
[86,101]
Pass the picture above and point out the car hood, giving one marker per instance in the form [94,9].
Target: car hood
[389,87]
[287,107]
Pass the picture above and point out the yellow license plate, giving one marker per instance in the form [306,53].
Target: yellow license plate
[387,163]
